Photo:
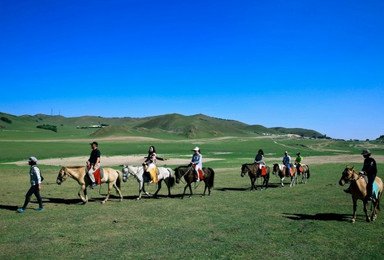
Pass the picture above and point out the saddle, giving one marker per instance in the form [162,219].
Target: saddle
[98,174]
[201,174]
[262,171]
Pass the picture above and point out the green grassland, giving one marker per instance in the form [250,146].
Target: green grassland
[308,221]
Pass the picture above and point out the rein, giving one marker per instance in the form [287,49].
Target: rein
[181,178]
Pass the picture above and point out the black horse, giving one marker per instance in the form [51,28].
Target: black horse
[254,172]
[190,176]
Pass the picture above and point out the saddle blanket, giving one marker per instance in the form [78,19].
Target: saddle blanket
[375,190]
[201,175]
[98,174]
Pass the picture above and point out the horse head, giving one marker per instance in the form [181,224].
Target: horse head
[347,175]
[177,174]
[126,173]
[244,170]
[275,168]
[63,175]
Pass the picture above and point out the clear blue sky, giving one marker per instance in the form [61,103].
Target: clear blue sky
[300,63]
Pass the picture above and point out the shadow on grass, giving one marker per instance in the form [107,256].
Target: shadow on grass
[319,216]
[8,207]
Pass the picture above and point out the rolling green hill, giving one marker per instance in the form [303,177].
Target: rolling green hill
[170,125]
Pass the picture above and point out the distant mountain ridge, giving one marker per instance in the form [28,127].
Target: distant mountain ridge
[194,126]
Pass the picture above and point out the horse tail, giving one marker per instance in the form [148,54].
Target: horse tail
[119,179]
[212,178]
[308,174]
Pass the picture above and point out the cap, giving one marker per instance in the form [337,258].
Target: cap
[94,143]
[366,152]
[286,152]
[196,149]
[298,153]
[32,159]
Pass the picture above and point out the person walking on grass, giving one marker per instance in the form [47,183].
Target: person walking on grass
[35,179]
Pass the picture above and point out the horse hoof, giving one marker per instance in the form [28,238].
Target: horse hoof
[368,220]
[138,199]
[103,202]
[353,220]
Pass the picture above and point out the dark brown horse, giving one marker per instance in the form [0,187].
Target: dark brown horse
[358,190]
[254,172]
[281,170]
[189,176]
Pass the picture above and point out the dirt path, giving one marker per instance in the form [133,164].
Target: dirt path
[137,160]
[110,161]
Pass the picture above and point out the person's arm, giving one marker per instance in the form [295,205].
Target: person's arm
[36,170]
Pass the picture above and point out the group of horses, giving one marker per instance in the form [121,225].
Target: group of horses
[280,170]
[114,178]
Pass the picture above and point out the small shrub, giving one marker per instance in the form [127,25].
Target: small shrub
[6,119]
[48,127]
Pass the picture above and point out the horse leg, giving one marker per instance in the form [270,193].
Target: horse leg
[158,188]
[354,210]
[108,194]
[82,190]
[169,188]
[190,189]
[367,218]
[253,183]
[185,188]
[282,181]
[118,191]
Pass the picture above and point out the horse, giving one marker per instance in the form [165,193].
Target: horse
[281,170]
[165,174]
[254,172]
[303,171]
[188,173]
[358,188]
[111,176]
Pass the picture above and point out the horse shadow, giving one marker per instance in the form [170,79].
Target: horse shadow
[9,207]
[319,216]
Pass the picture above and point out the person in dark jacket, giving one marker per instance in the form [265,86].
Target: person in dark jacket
[35,179]
[370,170]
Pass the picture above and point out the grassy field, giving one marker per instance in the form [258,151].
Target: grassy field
[306,221]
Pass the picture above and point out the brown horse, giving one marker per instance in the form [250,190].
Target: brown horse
[111,176]
[358,190]
[189,176]
[303,171]
[281,170]
[254,172]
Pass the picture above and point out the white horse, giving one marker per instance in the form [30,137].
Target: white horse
[165,174]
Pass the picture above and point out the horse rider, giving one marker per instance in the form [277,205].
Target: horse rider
[259,159]
[35,179]
[370,170]
[197,162]
[298,160]
[150,163]
[93,163]
[287,163]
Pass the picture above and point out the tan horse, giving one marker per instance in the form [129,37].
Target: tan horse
[111,176]
[358,190]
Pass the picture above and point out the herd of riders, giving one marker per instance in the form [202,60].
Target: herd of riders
[259,160]
[93,165]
